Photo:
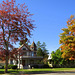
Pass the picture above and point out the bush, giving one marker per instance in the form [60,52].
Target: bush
[10,66]
[14,67]
[2,67]
[35,66]
[45,66]
[57,66]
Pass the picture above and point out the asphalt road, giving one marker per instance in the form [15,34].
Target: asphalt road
[47,73]
[55,74]
[44,74]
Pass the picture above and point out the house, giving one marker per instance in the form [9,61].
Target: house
[50,57]
[28,58]
[50,60]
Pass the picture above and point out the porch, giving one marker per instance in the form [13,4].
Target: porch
[26,62]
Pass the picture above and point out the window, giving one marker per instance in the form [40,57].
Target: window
[24,48]
[11,62]
[32,53]
[25,53]
[32,47]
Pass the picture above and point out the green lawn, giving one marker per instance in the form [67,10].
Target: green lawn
[37,70]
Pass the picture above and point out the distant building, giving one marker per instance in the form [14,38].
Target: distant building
[50,60]
[50,57]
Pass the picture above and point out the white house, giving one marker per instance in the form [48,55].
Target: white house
[50,60]
[50,57]
[28,58]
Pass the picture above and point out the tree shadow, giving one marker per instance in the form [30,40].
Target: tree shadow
[13,72]
[16,72]
[1,72]
[10,72]
[44,72]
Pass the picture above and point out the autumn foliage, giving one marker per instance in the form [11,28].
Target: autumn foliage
[15,25]
[67,39]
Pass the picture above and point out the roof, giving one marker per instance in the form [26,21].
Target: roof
[25,46]
[33,45]
[50,57]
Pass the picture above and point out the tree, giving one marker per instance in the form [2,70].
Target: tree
[42,48]
[67,39]
[15,24]
[24,41]
[39,52]
[42,51]
[38,44]
[56,58]
[58,61]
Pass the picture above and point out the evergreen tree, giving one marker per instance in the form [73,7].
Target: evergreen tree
[42,51]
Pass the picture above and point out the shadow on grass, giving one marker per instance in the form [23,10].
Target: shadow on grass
[10,72]
[1,72]
[16,72]
[13,72]
[44,72]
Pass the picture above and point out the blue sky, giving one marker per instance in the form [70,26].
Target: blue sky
[50,17]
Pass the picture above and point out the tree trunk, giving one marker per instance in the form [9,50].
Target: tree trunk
[6,64]
[19,61]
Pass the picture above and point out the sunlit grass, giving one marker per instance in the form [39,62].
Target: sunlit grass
[36,70]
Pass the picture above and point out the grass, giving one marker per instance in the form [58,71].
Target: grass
[49,69]
[11,71]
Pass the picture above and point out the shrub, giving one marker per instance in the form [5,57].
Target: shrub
[14,67]
[45,66]
[10,66]
[57,66]
[35,66]
[4,66]
[1,66]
